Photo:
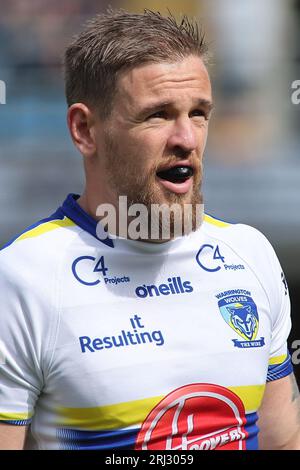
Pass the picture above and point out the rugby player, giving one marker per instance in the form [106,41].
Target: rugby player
[125,342]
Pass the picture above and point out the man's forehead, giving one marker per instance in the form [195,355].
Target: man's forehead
[157,79]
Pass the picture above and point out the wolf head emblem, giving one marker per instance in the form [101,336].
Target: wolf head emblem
[244,320]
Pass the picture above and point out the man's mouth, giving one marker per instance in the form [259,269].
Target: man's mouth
[177,179]
[177,174]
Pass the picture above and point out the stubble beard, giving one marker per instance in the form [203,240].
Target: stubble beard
[127,179]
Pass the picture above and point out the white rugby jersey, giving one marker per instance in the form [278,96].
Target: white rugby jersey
[131,345]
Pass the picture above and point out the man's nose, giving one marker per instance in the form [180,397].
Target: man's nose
[183,136]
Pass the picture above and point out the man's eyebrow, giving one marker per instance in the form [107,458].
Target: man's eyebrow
[148,110]
[206,104]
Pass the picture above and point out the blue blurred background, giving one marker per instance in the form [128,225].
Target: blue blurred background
[252,161]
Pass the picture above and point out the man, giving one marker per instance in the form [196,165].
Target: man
[117,343]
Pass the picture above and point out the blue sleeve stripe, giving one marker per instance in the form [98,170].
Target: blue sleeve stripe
[17,422]
[119,439]
[278,371]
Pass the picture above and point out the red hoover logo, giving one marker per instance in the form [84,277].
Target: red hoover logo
[195,417]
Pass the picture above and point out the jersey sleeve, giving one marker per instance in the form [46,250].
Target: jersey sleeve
[279,360]
[21,377]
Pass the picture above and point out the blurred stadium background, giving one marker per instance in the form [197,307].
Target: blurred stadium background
[252,168]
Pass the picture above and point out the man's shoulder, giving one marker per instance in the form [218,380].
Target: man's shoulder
[30,276]
[250,246]
[38,246]
[240,237]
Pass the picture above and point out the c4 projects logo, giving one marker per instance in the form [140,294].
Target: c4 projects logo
[239,311]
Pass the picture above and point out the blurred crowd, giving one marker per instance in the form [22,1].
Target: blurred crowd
[33,34]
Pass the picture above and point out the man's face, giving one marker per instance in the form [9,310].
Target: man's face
[151,147]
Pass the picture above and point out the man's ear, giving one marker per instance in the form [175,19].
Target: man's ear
[81,123]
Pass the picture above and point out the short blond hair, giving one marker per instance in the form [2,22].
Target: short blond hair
[117,41]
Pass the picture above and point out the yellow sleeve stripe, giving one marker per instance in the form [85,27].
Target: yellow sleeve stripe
[109,416]
[277,359]
[14,416]
[218,223]
[46,227]
[135,412]
[251,396]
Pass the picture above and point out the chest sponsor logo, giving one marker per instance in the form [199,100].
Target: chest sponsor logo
[174,285]
[195,417]
[89,271]
[137,335]
[210,258]
[239,311]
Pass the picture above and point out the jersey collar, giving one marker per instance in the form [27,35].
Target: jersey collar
[73,211]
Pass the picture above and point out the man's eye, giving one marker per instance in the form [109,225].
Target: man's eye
[158,115]
[199,112]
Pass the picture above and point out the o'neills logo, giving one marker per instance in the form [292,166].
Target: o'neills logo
[174,286]
[195,417]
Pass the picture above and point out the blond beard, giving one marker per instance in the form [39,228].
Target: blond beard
[128,181]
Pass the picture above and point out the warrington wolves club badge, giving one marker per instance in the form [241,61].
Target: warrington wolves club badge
[239,311]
